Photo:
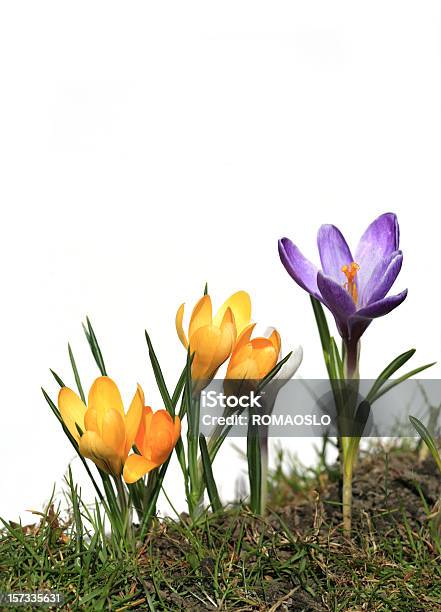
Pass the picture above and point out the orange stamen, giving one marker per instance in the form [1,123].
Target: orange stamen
[351,286]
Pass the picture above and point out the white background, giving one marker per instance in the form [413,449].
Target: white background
[146,148]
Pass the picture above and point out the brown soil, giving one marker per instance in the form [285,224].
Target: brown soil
[385,487]
[391,494]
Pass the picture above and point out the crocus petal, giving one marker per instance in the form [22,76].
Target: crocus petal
[113,431]
[177,428]
[201,315]
[139,439]
[212,347]
[240,304]
[93,447]
[90,420]
[105,395]
[241,365]
[276,341]
[162,436]
[381,307]
[136,467]
[382,278]
[228,324]
[379,240]
[334,252]
[72,410]
[133,418]
[265,356]
[244,337]
[298,267]
[179,327]
[336,298]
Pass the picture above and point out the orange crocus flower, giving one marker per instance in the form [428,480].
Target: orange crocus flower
[155,440]
[253,359]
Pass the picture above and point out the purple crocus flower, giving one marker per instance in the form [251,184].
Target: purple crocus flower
[354,288]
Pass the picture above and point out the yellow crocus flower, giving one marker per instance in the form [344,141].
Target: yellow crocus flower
[108,433]
[212,339]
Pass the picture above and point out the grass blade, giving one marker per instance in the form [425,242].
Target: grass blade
[430,442]
[208,475]
[57,378]
[94,346]
[389,371]
[268,378]
[398,381]
[76,375]
[160,378]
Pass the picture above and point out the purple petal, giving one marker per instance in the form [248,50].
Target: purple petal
[334,252]
[335,297]
[382,278]
[298,267]
[381,307]
[381,238]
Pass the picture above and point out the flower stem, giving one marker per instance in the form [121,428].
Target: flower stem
[348,450]
[351,360]
[126,513]
[264,469]
[347,498]
[193,448]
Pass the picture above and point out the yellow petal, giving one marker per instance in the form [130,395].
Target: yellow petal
[276,341]
[177,428]
[179,328]
[93,447]
[72,410]
[241,365]
[240,304]
[264,355]
[104,395]
[113,431]
[200,317]
[212,347]
[90,422]
[244,337]
[135,467]
[139,439]
[133,418]
[228,324]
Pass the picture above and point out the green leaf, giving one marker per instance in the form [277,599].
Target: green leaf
[94,347]
[389,371]
[150,506]
[336,361]
[76,375]
[208,475]
[160,378]
[425,435]
[254,468]
[398,381]
[57,378]
[322,324]
[206,289]
[268,378]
